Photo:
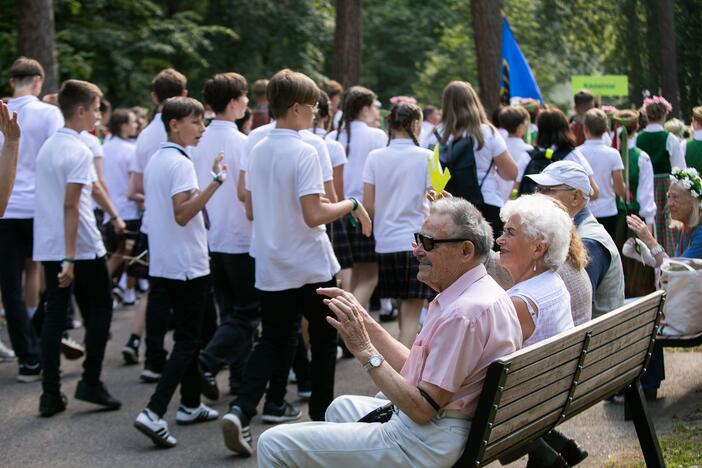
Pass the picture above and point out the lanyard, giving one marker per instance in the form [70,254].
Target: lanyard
[205,216]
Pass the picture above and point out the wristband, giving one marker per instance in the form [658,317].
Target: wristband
[68,260]
[658,249]
[114,218]
[217,177]
[355,203]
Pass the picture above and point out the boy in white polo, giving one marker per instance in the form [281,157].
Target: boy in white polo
[70,247]
[178,263]
[293,254]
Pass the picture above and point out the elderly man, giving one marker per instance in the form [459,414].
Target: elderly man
[567,182]
[435,386]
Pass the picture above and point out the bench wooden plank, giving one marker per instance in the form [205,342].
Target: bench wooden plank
[612,375]
[535,412]
[594,369]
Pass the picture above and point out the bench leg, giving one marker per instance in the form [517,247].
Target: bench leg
[644,426]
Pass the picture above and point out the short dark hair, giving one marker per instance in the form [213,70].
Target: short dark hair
[118,118]
[583,100]
[259,89]
[332,88]
[596,122]
[75,93]
[222,88]
[511,117]
[428,111]
[288,87]
[178,108]
[24,69]
[105,105]
[168,83]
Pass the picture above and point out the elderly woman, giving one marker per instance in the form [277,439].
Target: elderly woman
[684,199]
[535,243]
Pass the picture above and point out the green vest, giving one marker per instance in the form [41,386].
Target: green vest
[632,207]
[654,144]
[693,154]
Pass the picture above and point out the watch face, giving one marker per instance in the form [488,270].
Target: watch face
[376,361]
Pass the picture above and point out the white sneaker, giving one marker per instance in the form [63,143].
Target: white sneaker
[129,298]
[6,354]
[154,428]
[202,413]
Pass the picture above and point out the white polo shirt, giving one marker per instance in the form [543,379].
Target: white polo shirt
[117,162]
[230,230]
[64,159]
[364,139]
[337,155]
[148,142]
[325,162]
[644,190]
[38,121]
[289,254]
[175,252]
[604,160]
[400,174]
[93,143]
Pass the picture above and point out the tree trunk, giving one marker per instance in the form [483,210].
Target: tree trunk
[348,42]
[487,18]
[668,54]
[36,37]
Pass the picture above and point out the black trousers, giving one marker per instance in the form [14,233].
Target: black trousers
[233,277]
[91,287]
[610,225]
[188,301]
[16,236]
[280,317]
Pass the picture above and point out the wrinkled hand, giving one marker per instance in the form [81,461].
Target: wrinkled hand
[65,276]
[349,323]
[9,125]
[119,225]
[219,168]
[432,196]
[640,228]
[361,215]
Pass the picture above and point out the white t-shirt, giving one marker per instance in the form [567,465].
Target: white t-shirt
[644,190]
[575,156]
[325,162]
[517,148]
[38,121]
[64,159]
[400,174]
[364,139]
[289,254]
[427,128]
[148,142]
[117,162]
[93,143]
[336,150]
[230,230]
[604,160]
[175,252]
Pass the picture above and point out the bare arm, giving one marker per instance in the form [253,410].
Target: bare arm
[10,151]
[135,190]
[525,320]
[369,199]
[339,181]
[71,204]
[101,197]
[317,213]
[188,204]
[248,205]
[618,180]
[241,187]
[100,171]
[506,166]
[329,191]
[595,189]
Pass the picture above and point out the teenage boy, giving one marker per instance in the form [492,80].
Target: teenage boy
[515,121]
[261,115]
[178,262]
[607,167]
[284,185]
[166,84]
[70,247]
[229,236]
[583,101]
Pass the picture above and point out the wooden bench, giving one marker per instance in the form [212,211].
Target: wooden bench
[531,391]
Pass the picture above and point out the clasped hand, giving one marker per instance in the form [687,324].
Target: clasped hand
[350,319]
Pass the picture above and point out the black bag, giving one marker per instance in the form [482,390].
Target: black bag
[381,415]
[458,157]
[540,160]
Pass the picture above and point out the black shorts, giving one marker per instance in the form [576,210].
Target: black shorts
[362,247]
[398,277]
[339,238]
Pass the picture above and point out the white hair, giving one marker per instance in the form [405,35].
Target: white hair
[543,220]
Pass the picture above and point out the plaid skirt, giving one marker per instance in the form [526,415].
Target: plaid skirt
[398,277]
[362,247]
[336,230]
[664,234]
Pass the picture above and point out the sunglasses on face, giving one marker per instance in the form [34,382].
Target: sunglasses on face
[428,243]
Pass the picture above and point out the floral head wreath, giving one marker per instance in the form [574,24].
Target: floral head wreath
[396,100]
[689,179]
[658,100]
[609,110]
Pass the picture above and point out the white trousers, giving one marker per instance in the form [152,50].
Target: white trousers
[341,442]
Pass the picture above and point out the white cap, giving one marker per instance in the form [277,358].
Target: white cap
[567,173]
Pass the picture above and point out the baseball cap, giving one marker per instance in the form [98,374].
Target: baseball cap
[567,173]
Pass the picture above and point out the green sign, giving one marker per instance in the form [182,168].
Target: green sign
[603,85]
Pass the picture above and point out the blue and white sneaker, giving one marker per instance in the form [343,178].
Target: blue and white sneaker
[202,413]
[154,428]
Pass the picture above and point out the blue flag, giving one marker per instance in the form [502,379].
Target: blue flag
[516,78]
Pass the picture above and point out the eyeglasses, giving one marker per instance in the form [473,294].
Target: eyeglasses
[542,189]
[314,107]
[428,243]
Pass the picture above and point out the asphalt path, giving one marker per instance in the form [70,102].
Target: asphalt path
[84,437]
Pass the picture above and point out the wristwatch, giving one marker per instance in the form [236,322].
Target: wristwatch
[374,362]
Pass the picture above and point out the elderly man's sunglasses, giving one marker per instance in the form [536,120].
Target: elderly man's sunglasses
[428,243]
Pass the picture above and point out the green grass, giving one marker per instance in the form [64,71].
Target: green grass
[681,448]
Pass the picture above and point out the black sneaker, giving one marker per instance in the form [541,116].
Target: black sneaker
[28,372]
[237,432]
[98,395]
[130,352]
[208,384]
[273,413]
[52,403]
[71,349]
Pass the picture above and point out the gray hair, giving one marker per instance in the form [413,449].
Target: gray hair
[543,220]
[468,221]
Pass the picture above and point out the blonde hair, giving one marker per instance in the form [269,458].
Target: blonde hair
[462,111]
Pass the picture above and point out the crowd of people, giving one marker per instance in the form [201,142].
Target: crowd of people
[260,235]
